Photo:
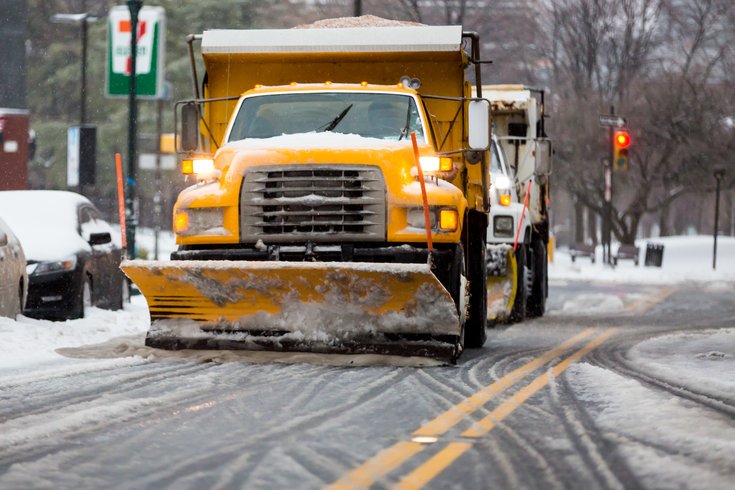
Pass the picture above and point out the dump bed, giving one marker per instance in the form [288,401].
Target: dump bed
[237,60]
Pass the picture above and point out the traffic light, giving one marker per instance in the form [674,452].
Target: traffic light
[621,144]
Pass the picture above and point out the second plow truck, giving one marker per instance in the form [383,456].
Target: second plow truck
[518,231]
[307,228]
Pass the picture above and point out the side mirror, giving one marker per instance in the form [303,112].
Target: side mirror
[99,238]
[543,157]
[479,124]
[189,127]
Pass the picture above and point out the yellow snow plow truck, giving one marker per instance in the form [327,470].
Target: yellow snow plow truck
[307,225]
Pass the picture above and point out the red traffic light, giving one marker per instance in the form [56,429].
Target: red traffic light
[622,139]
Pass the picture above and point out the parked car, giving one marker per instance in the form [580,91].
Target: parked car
[13,277]
[72,261]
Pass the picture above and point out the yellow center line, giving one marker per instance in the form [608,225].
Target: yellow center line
[441,460]
[390,458]
[645,304]
[507,407]
[435,465]
[382,463]
[442,423]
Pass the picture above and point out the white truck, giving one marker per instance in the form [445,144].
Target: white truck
[518,231]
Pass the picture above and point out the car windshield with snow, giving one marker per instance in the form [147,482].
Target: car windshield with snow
[373,115]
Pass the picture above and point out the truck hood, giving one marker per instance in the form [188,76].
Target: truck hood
[394,157]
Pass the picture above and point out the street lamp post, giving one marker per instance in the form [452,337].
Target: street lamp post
[719,175]
[83,20]
[131,205]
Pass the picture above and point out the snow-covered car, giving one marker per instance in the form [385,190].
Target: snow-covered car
[72,261]
[13,277]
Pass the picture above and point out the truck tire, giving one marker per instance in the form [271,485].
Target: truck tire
[518,312]
[475,333]
[538,293]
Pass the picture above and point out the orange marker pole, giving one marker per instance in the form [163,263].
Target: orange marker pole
[121,203]
[427,220]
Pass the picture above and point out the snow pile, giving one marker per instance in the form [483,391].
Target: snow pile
[28,341]
[703,360]
[649,421]
[685,258]
[361,21]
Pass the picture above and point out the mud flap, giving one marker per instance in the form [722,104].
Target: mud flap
[502,282]
[306,306]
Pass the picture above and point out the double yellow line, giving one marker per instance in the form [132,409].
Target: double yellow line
[391,458]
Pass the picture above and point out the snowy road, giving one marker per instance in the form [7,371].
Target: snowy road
[634,390]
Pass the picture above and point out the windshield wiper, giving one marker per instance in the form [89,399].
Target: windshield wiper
[404,130]
[333,124]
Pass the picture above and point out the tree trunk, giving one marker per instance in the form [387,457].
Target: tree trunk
[592,225]
[663,220]
[578,221]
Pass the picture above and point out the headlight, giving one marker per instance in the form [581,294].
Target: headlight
[436,164]
[503,226]
[448,218]
[39,268]
[203,168]
[501,182]
[200,221]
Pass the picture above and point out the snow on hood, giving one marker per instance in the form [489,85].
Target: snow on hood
[44,221]
[326,140]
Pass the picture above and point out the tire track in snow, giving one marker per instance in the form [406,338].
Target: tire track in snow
[88,414]
[612,357]
[236,460]
[603,461]
[44,397]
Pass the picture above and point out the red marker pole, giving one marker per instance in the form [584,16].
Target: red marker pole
[121,202]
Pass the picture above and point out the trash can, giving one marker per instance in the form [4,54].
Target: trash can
[654,254]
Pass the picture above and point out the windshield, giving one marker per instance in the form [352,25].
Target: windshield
[373,115]
[495,165]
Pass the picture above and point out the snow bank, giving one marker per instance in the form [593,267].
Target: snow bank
[685,258]
[644,422]
[702,360]
[28,341]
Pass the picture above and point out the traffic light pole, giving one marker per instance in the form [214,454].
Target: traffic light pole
[607,248]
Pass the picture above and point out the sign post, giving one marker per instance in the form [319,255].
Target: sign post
[135,62]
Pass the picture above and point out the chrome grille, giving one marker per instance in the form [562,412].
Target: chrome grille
[320,203]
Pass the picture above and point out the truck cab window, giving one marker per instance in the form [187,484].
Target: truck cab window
[373,115]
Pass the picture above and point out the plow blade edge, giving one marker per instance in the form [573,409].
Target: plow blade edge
[306,306]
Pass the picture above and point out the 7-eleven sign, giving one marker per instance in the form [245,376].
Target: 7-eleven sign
[150,58]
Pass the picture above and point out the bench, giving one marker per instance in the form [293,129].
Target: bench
[626,252]
[582,250]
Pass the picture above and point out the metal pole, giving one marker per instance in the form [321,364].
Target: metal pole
[157,196]
[358,8]
[83,93]
[719,173]
[607,248]
[131,203]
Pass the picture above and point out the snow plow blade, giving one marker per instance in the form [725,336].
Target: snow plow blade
[398,309]
[502,282]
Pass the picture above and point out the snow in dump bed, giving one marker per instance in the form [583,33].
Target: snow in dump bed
[643,423]
[321,140]
[685,258]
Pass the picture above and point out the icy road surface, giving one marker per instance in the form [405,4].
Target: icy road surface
[621,385]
